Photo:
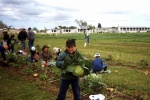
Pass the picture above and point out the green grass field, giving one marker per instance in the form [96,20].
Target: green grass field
[127,48]
[14,87]
[128,57]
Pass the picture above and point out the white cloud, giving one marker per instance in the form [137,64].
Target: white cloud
[51,13]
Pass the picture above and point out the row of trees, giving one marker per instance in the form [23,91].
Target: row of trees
[81,23]
[3,27]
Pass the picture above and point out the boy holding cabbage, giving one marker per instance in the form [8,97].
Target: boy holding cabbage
[72,66]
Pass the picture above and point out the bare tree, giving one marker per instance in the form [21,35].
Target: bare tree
[36,29]
[90,27]
[4,27]
[82,24]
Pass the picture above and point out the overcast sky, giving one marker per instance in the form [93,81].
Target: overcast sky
[53,13]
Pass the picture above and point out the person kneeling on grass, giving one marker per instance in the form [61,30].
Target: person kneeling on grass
[34,55]
[98,64]
[46,56]
[56,51]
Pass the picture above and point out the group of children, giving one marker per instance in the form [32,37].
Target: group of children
[7,45]
[9,41]
[61,63]
[45,56]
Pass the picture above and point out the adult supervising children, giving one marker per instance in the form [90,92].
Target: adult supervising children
[87,34]
[22,36]
[31,37]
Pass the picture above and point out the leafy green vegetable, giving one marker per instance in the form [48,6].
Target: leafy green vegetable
[77,65]
[70,68]
[78,71]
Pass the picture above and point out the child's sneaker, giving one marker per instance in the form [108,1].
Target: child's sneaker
[107,71]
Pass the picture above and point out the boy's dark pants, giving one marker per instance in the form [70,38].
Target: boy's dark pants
[31,42]
[64,87]
[104,67]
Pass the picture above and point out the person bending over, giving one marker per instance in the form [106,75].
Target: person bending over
[98,64]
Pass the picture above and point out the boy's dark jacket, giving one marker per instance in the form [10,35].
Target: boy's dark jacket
[66,59]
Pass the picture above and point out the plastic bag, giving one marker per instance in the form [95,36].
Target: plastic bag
[97,97]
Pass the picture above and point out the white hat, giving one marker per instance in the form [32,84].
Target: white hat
[55,49]
[33,48]
[97,54]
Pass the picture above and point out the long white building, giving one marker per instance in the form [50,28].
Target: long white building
[119,29]
[123,29]
[132,29]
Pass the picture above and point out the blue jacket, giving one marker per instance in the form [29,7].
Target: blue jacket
[97,64]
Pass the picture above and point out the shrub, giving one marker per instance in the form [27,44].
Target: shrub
[93,83]
[27,71]
[43,76]
[16,60]
[142,64]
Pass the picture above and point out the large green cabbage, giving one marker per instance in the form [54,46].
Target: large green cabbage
[70,68]
[77,65]
[78,71]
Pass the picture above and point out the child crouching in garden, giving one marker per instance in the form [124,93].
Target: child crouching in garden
[34,55]
[98,64]
[46,57]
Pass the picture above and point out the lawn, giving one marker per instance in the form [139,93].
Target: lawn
[128,57]
[13,86]
[128,48]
